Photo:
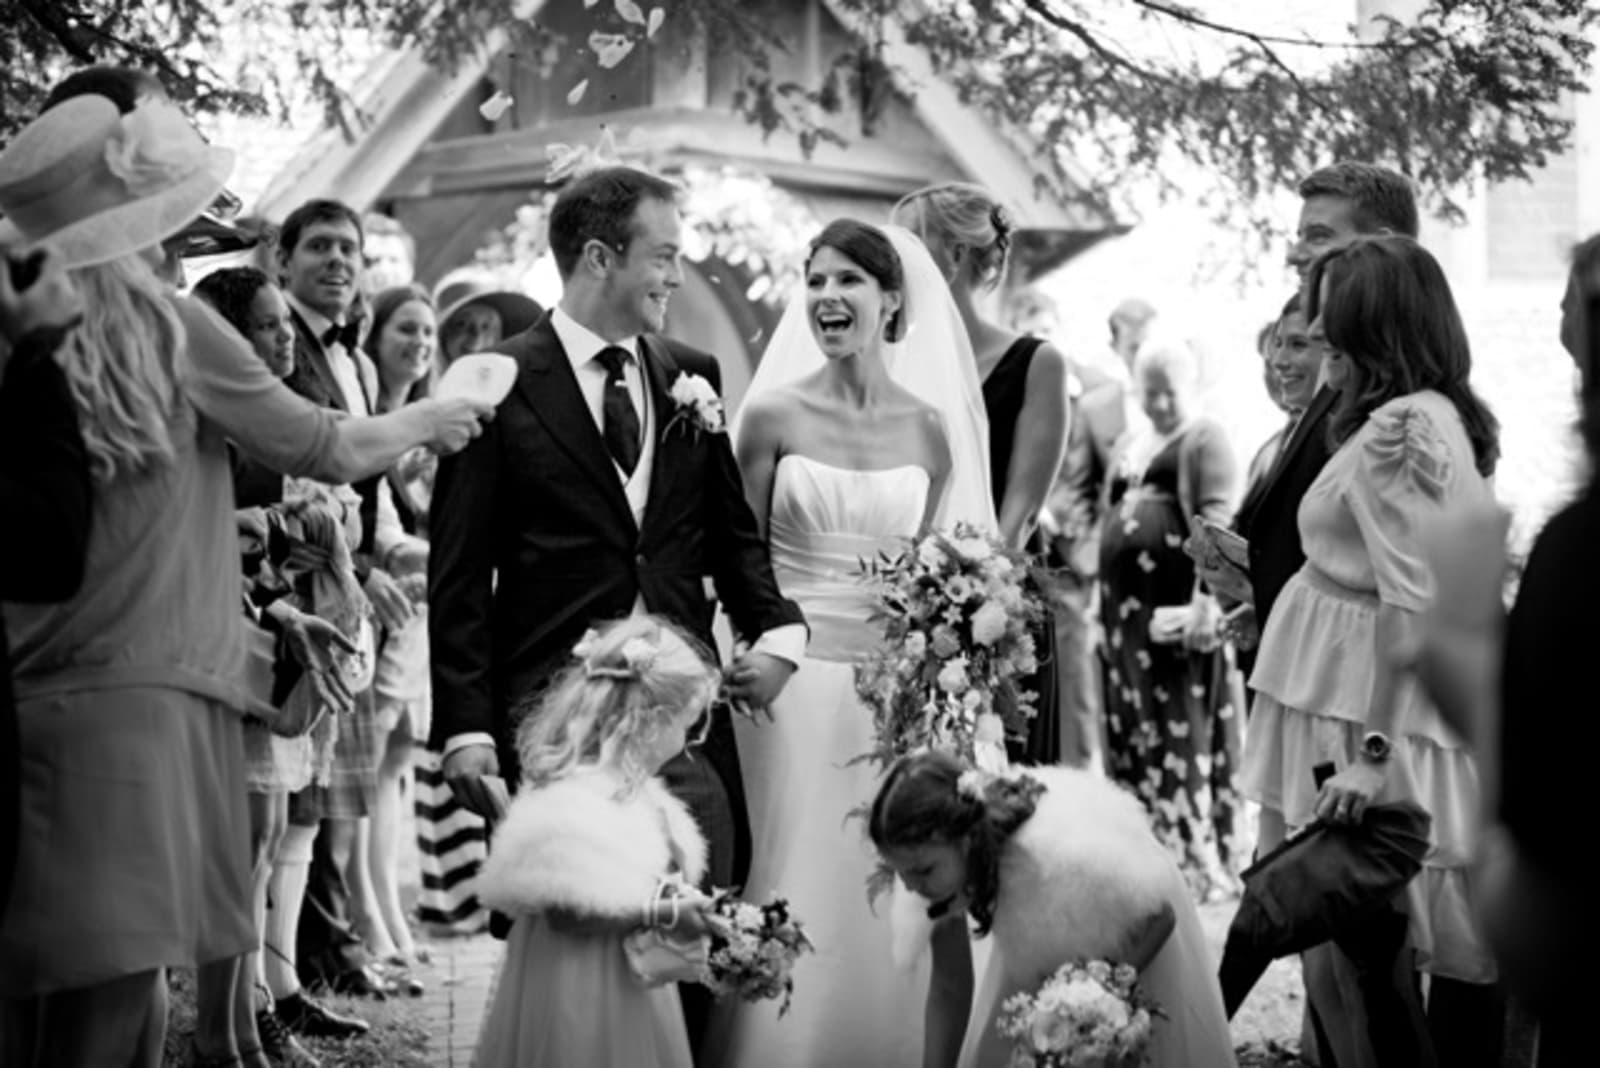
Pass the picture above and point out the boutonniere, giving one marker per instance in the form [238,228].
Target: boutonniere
[698,405]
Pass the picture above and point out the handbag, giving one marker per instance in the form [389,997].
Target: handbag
[656,956]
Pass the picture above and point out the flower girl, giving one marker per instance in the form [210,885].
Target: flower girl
[1062,867]
[596,862]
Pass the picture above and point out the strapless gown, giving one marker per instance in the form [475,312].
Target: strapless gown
[852,1005]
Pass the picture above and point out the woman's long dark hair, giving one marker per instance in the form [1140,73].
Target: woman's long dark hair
[921,802]
[384,305]
[1388,308]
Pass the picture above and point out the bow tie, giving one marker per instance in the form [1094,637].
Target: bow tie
[348,335]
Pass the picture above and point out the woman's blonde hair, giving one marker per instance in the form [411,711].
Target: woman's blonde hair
[120,364]
[968,215]
[628,681]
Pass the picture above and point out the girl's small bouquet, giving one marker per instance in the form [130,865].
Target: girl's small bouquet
[957,609]
[753,956]
[1086,1015]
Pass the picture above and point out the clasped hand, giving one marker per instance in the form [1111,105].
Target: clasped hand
[753,681]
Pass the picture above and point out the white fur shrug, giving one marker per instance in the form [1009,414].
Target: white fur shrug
[1078,874]
[589,845]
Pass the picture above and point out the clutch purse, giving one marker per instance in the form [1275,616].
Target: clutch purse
[657,957]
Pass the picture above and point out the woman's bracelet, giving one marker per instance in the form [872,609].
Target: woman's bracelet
[653,910]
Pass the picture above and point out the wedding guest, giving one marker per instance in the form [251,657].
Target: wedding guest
[1069,527]
[44,482]
[596,857]
[1024,382]
[319,257]
[1503,682]
[275,765]
[1172,733]
[1339,203]
[389,253]
[402,344]
[138,671]
[476,313]
[1058,865]
[1411,441]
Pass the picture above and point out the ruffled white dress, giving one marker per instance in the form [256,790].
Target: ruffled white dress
[1361,524]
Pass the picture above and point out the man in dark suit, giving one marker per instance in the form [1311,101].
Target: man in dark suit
[593,496]
[319,257]
[1339,203]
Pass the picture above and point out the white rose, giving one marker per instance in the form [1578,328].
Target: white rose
[916,646]
[977,550]
[989,623]
[953,676]
[930,555]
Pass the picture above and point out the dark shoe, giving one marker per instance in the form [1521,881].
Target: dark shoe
[365,982]
[403,979]
[279,1043]
[315,1020]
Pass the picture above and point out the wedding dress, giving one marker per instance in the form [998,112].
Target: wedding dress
[853,1006]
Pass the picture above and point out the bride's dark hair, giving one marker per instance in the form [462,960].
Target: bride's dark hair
[870,249]
[923,800]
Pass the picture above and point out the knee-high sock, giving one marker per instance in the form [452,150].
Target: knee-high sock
[285,895]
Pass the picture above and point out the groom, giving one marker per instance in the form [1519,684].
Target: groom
[592,495]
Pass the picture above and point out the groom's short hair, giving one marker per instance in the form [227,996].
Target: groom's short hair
[599,206]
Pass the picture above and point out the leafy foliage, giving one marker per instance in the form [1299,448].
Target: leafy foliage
[1126,94]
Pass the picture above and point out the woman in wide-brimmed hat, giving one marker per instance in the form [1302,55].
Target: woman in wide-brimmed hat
[134,847]
[476,313]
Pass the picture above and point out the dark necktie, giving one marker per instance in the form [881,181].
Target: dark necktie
[348,335]
[619,420]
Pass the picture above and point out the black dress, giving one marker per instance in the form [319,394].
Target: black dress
[1004,392]
[44,497]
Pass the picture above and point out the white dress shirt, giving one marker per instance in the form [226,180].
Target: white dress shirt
[582,346]
[387,534]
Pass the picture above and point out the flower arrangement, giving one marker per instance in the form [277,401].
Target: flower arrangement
[698,405]
[957,609]
[753,957]
[1086,1015]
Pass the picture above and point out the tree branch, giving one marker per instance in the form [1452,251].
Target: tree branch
[1092,42]
[1261,39]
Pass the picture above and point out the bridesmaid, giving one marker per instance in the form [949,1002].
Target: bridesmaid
[1024,391]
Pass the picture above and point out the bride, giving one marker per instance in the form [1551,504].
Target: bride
[864,426]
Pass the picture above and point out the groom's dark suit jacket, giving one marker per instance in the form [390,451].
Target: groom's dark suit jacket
[1269,516]
[533,541]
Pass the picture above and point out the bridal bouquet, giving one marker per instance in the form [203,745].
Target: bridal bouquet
[1086,1015]
[754,956]
[957,610]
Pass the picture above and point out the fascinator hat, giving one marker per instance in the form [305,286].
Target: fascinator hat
[98,185]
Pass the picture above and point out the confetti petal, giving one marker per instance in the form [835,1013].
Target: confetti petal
[609,48]
[577,91]
[495,106]
[630,11]
[657,17]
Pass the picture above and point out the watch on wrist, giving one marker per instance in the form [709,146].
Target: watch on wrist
[1375,747]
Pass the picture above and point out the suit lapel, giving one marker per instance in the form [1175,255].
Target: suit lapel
[308,354]
[661,369]
[550,388]
[1310,423]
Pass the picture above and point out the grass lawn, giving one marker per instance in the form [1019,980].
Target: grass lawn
[396,1040]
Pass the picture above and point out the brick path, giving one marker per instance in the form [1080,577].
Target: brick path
[461,973]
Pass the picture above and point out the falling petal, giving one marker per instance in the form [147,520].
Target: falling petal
[609,48]
[657,17]
[630,11]
[590,3]
[495,106]
[578,91]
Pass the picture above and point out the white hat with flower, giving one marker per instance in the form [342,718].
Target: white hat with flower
[97,185]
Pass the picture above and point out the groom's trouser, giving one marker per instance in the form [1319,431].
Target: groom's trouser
[708,780]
